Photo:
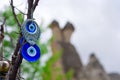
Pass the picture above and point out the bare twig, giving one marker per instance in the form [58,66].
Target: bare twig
[4,21]
[15,16]
[16,50]
[35,4]
[5,58]
[11,39]
[1,38]
[20,11]
[1,32]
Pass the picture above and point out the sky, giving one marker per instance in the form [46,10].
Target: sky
[96,22]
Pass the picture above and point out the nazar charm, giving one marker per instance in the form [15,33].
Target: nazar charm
[30,33]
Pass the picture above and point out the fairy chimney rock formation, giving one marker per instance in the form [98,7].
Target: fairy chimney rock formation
[61,42]
[94,62]
[71,60]
[67,32]
[56,49]
[94,69]
[70,57]
[57,37]
[56,31]
[114,76]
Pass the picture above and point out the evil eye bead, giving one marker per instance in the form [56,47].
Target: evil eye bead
[31,27]
[30,31]
[30,53]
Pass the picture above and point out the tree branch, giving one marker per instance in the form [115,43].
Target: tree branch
[35,4]
[30,12]
[14,68]
[17,57]
[14,56]
[16,61]
[20,11]
[14,14]
[1,38]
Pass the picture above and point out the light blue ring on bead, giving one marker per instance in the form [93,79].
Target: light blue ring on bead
[31,27]
[31,51]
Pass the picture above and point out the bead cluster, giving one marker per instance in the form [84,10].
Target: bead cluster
[30,33]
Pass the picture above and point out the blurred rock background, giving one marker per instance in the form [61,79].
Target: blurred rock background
[70,60]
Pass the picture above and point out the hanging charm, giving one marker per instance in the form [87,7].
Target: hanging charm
[30,31]
[30,53]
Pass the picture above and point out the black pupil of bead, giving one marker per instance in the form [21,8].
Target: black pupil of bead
[31,27]
[31,51]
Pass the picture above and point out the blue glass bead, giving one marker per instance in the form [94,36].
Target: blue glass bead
[30,53]
[31,27]
[30,31]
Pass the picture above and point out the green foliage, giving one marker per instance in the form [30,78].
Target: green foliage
[10,32]
[69,74]
[10,21]
[9,17]
[20,17]
[47,69]
[31,70]
[43,48]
